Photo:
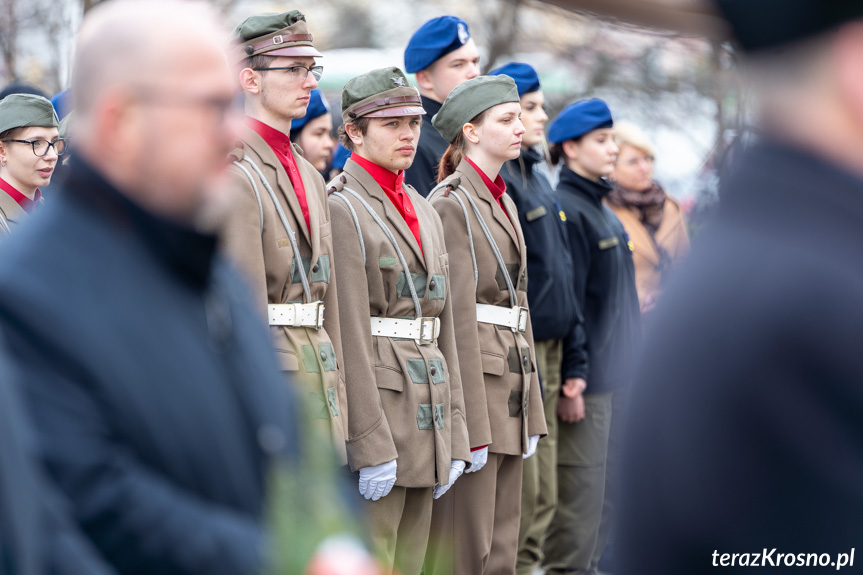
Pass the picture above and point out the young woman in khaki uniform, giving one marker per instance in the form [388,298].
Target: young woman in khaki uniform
[30,146]
[475,526]
[407,437]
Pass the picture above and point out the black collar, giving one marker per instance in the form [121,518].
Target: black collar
[186,252]
[431,107]
[590,188]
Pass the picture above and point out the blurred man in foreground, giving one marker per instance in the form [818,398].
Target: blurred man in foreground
[152,384]
[746,438]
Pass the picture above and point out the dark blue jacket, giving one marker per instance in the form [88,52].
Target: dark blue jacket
[746,429]
[604,281]
[36,536]
[554,311]
[153,387]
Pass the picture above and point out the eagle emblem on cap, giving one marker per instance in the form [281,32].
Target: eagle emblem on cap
[400,82]
[463,35]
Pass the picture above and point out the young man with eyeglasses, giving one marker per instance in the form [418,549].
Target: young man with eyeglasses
[278,228]
[30,146]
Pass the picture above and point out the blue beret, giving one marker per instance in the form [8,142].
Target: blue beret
[578,119]
[526,78]
[436,38]
[340,157]
[318,106]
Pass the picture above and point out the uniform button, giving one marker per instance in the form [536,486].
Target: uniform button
[526,361]
[433,370]
[315,268]
[523,275]
[432,284]
[323,356]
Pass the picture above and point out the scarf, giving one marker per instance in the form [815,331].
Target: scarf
[650,204]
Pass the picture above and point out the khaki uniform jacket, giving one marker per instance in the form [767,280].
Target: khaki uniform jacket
[405,400]
[498,366]
[10,213]
[671,235]
[263,252]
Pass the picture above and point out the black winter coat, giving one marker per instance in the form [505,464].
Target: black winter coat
[604,281]
[36,536]
[554,311]
[746,432]
[153,387]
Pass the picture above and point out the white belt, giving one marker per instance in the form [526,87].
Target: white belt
[297,314]
[424,330]
[515,318]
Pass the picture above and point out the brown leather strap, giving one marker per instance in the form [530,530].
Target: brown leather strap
[386,102]
[276,40]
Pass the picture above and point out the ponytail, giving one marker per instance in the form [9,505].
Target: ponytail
[456,151]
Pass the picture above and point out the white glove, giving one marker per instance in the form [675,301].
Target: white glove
[377,481]
[478,459]
[456,468]
[532,441]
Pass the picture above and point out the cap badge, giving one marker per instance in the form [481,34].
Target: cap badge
[463,35]
[400,82]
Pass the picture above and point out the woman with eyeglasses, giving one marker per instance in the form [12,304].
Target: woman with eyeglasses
[653,220]
[30,146]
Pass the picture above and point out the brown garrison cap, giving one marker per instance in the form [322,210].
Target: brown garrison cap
[381,93]
[272,34]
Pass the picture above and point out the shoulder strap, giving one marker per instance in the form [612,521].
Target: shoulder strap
[291,236]
[391,237]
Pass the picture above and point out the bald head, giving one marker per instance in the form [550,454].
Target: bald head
[127,43]
[152,94]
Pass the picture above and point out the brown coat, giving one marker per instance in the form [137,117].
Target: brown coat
[671,235]
[313,357]
[10,212]
[501,390]
[388,380]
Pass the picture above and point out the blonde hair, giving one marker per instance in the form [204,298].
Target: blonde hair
[627,133]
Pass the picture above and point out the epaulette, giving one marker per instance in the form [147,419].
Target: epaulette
[238,152]
[337,184]
[448,185]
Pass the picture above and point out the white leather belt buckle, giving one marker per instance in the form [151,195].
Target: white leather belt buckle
[515,318]
[423,330]
[297,314]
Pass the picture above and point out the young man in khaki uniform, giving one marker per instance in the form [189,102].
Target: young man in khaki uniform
[278,231]
[407,435]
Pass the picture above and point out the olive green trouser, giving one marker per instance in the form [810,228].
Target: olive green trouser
[399,527]
[575,541]
[539,485]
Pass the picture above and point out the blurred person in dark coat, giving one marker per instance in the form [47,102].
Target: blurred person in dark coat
[35,535]
[746,434]
[152,384]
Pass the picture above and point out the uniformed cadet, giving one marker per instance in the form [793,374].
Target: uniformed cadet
[407,435]
[554,312]
[312,132]
[30,146]
[442,54]
[604,285]
[477,522]
[278,232]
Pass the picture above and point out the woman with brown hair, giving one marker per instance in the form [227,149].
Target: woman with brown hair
[475,525]
[653,220]
[30,146]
